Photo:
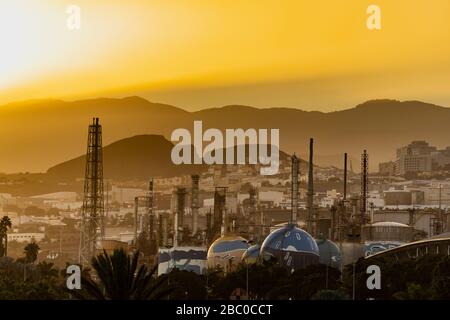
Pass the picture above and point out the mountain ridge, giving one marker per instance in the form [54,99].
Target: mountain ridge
[34,137]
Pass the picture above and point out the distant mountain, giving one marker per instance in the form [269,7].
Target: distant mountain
[37,135]
[135,158]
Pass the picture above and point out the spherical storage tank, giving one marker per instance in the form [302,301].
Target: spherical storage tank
[291,246]
[251,255]
[226,252]
[330,254]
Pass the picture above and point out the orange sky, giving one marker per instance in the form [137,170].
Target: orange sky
[308,54]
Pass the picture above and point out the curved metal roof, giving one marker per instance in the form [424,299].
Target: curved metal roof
[389,224]
[228,243]
[413,245]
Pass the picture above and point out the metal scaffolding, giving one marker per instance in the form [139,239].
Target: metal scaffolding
[92,211]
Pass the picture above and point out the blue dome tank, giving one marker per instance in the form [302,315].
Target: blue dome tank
[293,247]
[251,255]
[330,254]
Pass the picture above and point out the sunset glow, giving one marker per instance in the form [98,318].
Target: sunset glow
[181,51]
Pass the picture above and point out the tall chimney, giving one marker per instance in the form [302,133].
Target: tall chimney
[364,186]
[195,202]
[150,212]
[179,216]
[310,195]
[345,176]
[164,232]
[294,189]
[136,206]
[219,219]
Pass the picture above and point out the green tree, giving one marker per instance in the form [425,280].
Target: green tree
[43,282]
[5,223]
[31,252]
[119,278]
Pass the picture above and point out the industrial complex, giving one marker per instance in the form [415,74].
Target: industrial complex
[206,220]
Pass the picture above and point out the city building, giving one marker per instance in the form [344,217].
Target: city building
[415,157]
[26,236]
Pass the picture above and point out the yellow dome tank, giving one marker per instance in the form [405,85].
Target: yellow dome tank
[226,252]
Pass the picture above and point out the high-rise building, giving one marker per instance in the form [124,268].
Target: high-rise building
[415,157]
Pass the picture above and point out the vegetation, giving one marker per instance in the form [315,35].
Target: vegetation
[43,281]
[119,278]
[427,277]
[271,281]
[5,223]
[31,252]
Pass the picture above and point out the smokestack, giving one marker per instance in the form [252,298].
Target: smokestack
[179,216]
[150,213]
[136,205]
[175,233]
[345,176]
[294,189]
[195,202]
[219,220]
[209,230]
[164,219]
[181,195]
[364,185]
[310,195]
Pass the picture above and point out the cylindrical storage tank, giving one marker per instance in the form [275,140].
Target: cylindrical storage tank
[388,231]
[182,258]
[226,252]
[293,247]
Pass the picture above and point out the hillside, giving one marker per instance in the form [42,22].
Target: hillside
[35,136]
[137,157]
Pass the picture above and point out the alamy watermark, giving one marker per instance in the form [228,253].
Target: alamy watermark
[73,21]
[221,147]
[74,279]
[374,20]
[374,280]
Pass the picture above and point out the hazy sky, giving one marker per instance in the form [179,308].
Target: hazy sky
[196,53]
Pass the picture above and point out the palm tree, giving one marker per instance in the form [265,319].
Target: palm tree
[5,223]
[120,279]
[31,252]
